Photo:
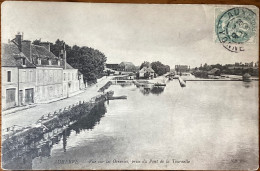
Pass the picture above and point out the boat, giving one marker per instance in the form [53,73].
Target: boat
[159,84]
[117,97]
[176,77]
[247,77]
[187,76]
[182,82]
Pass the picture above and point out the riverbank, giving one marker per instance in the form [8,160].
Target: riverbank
[31,115]
[45,130]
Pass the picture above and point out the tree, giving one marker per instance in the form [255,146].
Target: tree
[160,68]
[36,42]
[219,66]
[90,62]
[108,72]
[145,64]
[58,46]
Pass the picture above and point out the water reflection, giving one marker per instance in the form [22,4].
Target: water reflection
[89,121]
[247,84]
[126,84]
[21,157]
[157,90]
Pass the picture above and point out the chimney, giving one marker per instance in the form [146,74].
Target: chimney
[18,40]
[63,55]
[27,49]
[47,45]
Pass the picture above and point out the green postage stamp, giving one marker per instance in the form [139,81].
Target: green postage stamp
[235,26]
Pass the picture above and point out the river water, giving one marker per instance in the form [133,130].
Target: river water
[205,125]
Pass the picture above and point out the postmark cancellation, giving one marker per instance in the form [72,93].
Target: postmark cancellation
[235,27]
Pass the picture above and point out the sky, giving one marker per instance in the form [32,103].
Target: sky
[172,34]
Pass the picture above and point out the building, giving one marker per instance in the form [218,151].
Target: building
[214,71]
[70,80]
[49,70]
[81,81]
[127,66]
[49,74]
[112,66]
[243,66]
[146,73]
[18,77]
[182,68]
[33,74]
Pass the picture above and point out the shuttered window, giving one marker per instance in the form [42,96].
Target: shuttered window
[9,76]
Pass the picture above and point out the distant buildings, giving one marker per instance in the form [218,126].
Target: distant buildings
[122,67]
[112,66]
[33,74]
[240,65]
[214,72]
[182,68]
[127,66]
[146,73]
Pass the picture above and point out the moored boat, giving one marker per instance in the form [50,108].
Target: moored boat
[159,84]
[247,77]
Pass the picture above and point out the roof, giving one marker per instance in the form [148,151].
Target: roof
[127,63]
[11,57]
[40,52]
[213,71]
[79,73]
[145,69]
[11,54]
[112,64]
[150,69]
[68,66]
[246,75]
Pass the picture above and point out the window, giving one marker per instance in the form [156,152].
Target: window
[9,76]
[10,95]
[24,75]
[64,77]
[39,61]
[23,60]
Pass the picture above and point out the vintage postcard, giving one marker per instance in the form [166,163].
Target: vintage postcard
[129,86]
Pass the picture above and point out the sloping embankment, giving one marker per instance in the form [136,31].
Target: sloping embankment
[106,86]
[16,142]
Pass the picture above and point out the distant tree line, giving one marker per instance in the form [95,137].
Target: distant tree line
[90,62]
[224,69]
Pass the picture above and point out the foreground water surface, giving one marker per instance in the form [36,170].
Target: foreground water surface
[206,125]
